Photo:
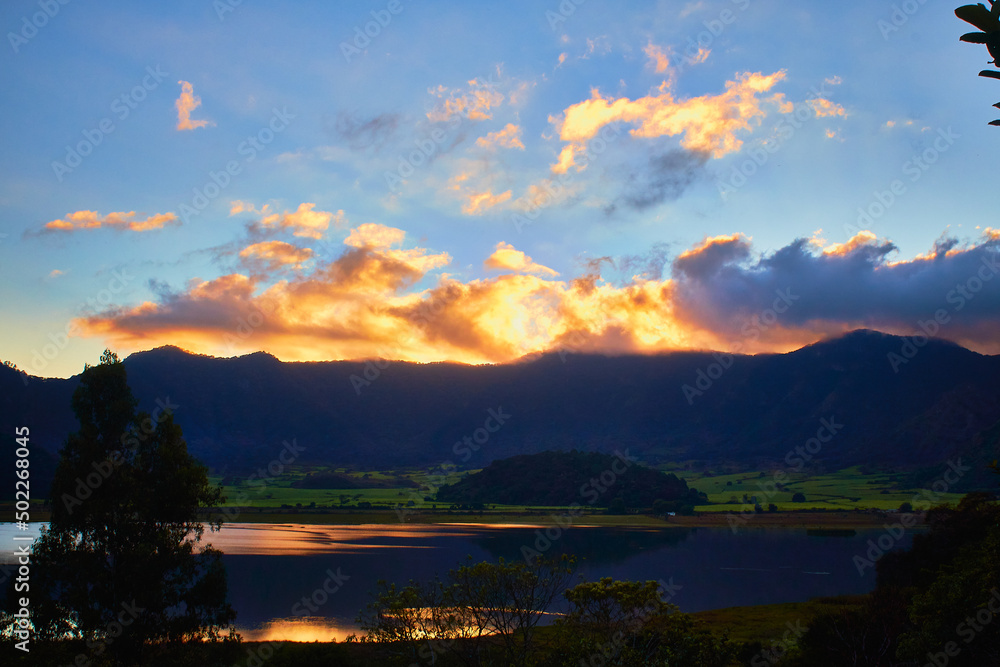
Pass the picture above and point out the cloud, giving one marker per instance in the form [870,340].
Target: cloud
[360,133]
[185,104]
[374,235]
[506,257]
[477,102]
[55,273]
[238,206]
[508,137]
[823,107]
[663,178]
[657,58]
[121,220]
[480,202]
[721,287]
[699,57]
[304,221]
[272,256]
[708,124]
[379,297]
[599,45]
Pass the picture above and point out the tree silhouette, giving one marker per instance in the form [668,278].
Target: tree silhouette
[988,21]
[119,565]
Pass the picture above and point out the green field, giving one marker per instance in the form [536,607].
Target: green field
[275,497]
[843,490]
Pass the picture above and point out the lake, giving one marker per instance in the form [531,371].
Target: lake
[272,567]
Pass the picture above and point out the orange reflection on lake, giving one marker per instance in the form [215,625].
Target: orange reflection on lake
[298,539]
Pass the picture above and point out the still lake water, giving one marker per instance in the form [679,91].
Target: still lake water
[272,567]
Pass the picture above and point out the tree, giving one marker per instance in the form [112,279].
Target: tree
[119,565]
[629,623]
[478,610]
[798,497]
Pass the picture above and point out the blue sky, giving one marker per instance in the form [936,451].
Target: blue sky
[731,145]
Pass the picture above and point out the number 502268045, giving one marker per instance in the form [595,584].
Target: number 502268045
[21,491]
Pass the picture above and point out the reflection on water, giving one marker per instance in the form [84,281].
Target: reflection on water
[309,582]
[301,540]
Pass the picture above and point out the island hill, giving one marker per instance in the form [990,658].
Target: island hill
[613,481]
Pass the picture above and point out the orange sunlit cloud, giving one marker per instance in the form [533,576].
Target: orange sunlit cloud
[824,107]
[238,206]
[480,202]
[305,221]
[381,298]
[477,102]
[506,257]
[508,137]
[862,238]
[120,220]
[709,123]
[185,104]
[359,305]
[271,256]
[700,57]
[657,58]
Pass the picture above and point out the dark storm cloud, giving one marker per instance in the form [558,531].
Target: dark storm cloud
[664,177]
[719,287]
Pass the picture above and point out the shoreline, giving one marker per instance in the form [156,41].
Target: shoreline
[799,519]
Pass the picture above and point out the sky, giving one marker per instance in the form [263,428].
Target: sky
[480,182]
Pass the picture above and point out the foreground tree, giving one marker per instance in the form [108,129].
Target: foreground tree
[480,614]
[119,566]
[629,623]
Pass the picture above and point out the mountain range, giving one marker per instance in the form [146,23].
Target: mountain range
[864,398]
